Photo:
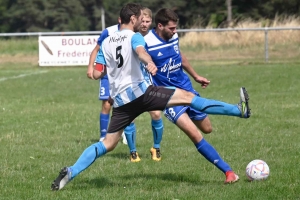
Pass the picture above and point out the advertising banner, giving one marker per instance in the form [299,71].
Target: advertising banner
[66,50]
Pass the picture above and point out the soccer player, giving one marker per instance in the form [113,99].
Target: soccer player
[129,134]
[156,122]
[104,85]
[132,93]
[162,44]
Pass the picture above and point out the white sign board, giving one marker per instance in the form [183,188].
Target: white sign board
[66,50]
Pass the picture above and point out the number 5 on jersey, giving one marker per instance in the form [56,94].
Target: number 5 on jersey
[119,56]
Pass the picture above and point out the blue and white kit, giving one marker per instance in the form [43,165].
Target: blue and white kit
[126,82]
[167,58]
[103,82]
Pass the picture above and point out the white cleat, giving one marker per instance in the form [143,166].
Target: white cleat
[63,178]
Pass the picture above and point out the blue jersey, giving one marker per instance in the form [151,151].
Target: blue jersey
[107,32]
[167,58]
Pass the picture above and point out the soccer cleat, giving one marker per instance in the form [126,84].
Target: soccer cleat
[63,178]
[244,103]
[134,157]
[124,140]
[231,177]
[155,154]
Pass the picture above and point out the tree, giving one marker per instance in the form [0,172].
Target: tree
[84,15]
[4,27]
[229,11]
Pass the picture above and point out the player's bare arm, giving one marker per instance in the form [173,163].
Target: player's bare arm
[190,70]
[146,59]
[90,68]
[99,71]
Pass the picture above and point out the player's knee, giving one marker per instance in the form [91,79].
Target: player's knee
[207,129]
[110,144]
[155,115]
[105,107]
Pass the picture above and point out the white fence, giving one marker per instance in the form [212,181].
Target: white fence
[265,30]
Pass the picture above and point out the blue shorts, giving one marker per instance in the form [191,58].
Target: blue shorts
[173,113]
[103,88]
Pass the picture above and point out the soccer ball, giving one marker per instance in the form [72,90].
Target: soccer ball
[257,170]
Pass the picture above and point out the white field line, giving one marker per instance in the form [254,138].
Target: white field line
[22,75]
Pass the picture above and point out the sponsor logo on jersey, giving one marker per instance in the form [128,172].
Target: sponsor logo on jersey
[119,38]
[170,66]
[176,49]
[158,94]
[159,54]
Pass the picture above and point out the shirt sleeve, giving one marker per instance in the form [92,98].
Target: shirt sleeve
[103,35]
[100,57]
[137,40]
[146,47]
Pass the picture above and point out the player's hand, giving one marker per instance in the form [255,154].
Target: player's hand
[110,101]
[89,72]
[203,81]
[152,69]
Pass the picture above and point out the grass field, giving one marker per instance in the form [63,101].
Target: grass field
[48,116]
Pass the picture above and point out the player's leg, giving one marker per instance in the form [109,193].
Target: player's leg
[204,125]
[157,131]
[200,119]
[204,148]
[124,140]
[105,109]
[87,158]
[104,118]
[130,134]
[121,117]
[209,106]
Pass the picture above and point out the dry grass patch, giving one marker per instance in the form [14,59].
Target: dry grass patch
[19,58]
[247,38]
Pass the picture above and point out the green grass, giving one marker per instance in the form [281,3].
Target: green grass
[14,46]
[49,117]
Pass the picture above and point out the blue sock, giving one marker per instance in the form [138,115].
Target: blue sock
[157,130]
[212,155]
[130,133]
[104,119]
[88,156]
[214,107]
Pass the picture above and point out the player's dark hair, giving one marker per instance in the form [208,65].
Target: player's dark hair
[128,10]
[164,15]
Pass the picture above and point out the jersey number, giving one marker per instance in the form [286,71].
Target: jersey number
[172,112]
[102,91]
[119,56]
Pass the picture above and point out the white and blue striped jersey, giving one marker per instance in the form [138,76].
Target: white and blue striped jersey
[127,77]
[167,58]
[105,33]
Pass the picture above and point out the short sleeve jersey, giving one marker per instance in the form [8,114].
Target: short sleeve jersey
[108,31]
[167,58]
[127,77]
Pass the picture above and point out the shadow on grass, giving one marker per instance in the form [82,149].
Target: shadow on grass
[141,177]
[172,177]
[86,184]
[122,156]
